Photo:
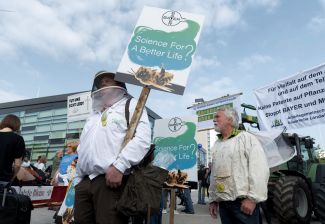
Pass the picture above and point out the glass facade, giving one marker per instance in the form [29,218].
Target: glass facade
[201,157]
[44,126]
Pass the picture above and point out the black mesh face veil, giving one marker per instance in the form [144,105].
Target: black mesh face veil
[98,78]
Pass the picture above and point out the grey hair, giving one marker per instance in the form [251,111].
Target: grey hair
[59,150]
[231,113]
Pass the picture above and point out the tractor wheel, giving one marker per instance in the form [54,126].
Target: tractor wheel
[292,200]
[321,203]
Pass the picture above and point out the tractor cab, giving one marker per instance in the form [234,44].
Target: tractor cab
[305,151]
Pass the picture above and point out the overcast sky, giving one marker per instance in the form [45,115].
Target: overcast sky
[60,45]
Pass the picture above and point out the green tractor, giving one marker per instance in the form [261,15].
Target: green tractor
[297,188]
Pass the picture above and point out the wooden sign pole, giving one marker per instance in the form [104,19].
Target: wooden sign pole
[136,116]
[134,123]
[172,205]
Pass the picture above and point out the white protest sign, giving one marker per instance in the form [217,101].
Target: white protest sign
[206,111]
[35,193]
[161,50]
[293,102]
[79,107]
[178,136]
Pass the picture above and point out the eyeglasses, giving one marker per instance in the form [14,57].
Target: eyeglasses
[69,146]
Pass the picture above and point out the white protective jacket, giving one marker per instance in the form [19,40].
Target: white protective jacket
[100,145]
[239,169]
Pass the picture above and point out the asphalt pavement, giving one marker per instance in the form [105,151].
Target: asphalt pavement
[201,215]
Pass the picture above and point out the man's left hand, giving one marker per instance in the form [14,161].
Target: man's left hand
[247,206]
[113,177]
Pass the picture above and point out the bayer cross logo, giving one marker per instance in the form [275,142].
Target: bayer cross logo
[175,124]
[172,18]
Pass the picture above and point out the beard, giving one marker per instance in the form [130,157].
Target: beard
[217,128]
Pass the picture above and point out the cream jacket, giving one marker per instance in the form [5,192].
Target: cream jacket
[239,169]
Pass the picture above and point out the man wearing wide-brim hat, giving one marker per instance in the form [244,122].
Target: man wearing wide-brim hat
[102,172]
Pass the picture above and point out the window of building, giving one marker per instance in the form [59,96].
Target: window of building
[51,154]
[60,111]
[47,113]
[28,137]
[28,124]
[43,128]
[40,144]
[60,117]
[44,119]
[44,122]
[59,126]
[42,149]
[59,120]
[30,119]
[29,128]
[75,125]
[31,114]
[57,134]
[54,149]
[42,134]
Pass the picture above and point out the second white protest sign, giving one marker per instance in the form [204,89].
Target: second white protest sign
[293,102]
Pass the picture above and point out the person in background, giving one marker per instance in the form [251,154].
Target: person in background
[26,163]
[201,193]
[48,172]
[70,147]
[165,193]
[208,178]
[239,169]
[41,165]
[12,148]
[37,162]
[188,202]
[56,161]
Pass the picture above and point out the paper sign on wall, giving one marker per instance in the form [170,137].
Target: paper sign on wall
[161,50]
[293,102]
[79,107]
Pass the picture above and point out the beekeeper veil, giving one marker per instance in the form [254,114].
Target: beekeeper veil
[106,91]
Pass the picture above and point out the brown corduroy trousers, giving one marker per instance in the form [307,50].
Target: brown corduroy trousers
[95,202]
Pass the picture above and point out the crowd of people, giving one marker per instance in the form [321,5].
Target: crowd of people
[12,146]
[102,171]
